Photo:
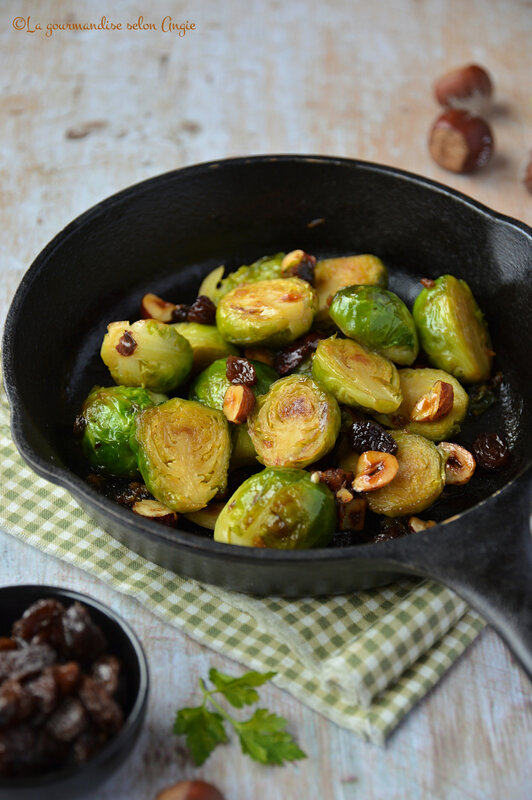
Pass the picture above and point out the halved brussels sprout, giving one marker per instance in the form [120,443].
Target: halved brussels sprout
[215,287]
[356,376]
[419,481]
[108,418]
[183,451]
[278,508]
[296,423]
[332,274]
[418,382]
[243,453]
[378,319]
[211,385]
[452,329]
[272,312]
[207,343]
[147,353]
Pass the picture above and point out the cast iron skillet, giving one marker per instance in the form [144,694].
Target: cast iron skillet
[164,234]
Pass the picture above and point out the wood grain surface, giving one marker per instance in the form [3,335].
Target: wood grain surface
[85,113]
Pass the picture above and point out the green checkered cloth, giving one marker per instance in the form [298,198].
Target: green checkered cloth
[362,660]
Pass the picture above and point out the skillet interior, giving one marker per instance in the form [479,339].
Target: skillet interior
[165,234]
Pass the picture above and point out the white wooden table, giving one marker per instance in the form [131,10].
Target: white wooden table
[84,114]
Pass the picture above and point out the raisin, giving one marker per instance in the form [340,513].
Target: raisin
[40,616]
[371,436]
[126,344]
[491,451]
[66,676]
[43,690]
[133,493]
[304,269]
[240,370]
[202,310]
[81,638]
[104,712]
[292,356]
[180,313]
[391,529]
[21,664]
[16,703]
[68,721]
[80,423]
[335,479]
[106,672]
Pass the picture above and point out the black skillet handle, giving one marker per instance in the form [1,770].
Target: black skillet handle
[486,556]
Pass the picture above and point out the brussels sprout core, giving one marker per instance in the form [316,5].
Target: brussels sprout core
[272,312]
[278,508]
[183,451]
[296,423]
[356,376]
[452,329]
[147,353]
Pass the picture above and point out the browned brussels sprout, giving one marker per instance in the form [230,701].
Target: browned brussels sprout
[333,274]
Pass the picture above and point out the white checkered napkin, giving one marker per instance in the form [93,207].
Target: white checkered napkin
[362,660]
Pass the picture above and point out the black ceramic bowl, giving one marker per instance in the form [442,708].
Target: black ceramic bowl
[82,781]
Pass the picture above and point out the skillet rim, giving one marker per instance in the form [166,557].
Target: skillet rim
[76,486]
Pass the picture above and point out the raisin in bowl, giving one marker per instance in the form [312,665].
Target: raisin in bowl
[73,693]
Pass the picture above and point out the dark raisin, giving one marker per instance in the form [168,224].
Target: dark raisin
[292,356]
[335,479]
[368,435]
[80,423]
[133,493]
[126,344]
[38,617]
[391,529]
[180,313]
[481,397]
[240,370]
[304,269]
[66,676]
[202,310]
[106,672]
[21,664]
[491,451]
[81,638]
[68,721]
[16,703]
[104,712]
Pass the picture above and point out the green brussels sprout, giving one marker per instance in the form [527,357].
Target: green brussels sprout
[206,342]
[378,319]
[147,353]
[295,423]
[419,481]
[108,418]
[215,287]
[356,376]
[332,274]
[211,385]
[452,330]
[183,450]
[278,508]
[243,453]
[418,382]
[272,312]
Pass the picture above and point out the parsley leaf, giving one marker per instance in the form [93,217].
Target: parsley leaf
[204,730]
[262,737]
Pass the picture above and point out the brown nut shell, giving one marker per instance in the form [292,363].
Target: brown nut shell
[153,509]
[190,790]
[460,142]
[434,405]
[374,470]
[469,87]
[154,307]
[460,464]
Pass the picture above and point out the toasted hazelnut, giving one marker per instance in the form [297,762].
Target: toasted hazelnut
[415,524]
[351,516]
[344,495]
[374,470]
[434,405]
[190,790]
[299,264]
[467,87]
[238,403]
[153,307]
[152,509]
[460,464]
[460,142]
[261,354]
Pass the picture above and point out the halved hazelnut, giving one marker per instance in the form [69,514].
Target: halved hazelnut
[460,464]
[435,404]
[374,470]
[344,495]
[153,307]
[351,515]
[416,524]
[298,264]
[239,401]
[152,509]
[465,87]
[460,142]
